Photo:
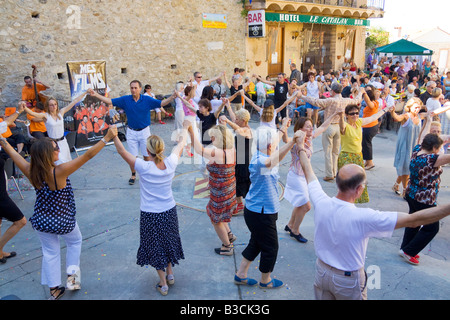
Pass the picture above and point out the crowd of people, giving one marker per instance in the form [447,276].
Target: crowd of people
[344,107]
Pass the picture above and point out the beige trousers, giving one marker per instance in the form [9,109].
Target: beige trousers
[331,142]
[334,284]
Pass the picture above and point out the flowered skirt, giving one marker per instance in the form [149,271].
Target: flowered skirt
[222,192]
[355,158]
[160,242]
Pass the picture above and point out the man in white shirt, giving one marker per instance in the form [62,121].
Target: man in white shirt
[408,65]
[200,84]
[342,230]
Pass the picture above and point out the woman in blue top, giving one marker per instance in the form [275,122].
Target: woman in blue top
[262,205]
[54,209]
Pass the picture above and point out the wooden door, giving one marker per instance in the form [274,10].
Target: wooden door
[275,50]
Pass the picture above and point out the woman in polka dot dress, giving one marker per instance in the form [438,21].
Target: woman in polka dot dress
[54,209]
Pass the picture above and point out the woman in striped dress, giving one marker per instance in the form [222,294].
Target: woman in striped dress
[222,182]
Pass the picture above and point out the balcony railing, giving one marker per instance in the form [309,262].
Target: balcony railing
[369,4]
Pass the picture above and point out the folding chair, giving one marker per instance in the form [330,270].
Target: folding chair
[9,169]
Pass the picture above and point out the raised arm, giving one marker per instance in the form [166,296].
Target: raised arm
[20,162]
[287,102]
[326,123]
[271,83]
[374,117]
[281,152]
[178,149]
[186,103]
[35,115]
[304,160]
[67,168]
[198,147]
[73,103]
[20,108]
[366,98]
[342,124]
[128,157]
[254,105]
[219,109]
[168,100]
[94,93]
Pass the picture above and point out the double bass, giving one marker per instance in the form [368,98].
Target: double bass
[40,98]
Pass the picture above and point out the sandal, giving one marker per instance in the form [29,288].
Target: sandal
[231,237]
[164,290]
[11,254]
[170,279]
[396,188]
[225,252]
[245,281]
[54,290]
[132,179]
[274,283]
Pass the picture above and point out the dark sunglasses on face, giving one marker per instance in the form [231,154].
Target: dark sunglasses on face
[352,113]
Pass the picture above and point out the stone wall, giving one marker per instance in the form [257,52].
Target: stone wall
[155,41]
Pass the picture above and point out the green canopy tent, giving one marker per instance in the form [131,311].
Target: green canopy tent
[404,47]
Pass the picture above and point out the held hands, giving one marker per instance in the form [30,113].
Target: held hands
[299,138]
[21,106]
[112,133]
[187,125]
[223,119]
[91,92]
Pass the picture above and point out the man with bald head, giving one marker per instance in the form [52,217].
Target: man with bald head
[342,230]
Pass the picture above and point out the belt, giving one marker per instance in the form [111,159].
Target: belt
[60,139]
[136,129]
[338,271]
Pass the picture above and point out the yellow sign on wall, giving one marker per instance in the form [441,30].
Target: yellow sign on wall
[213,20]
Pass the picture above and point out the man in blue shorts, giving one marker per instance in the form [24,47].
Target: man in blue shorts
[137,108]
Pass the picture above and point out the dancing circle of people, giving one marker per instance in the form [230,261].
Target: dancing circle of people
[242,165]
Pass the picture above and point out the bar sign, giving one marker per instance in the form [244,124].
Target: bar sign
[256,23]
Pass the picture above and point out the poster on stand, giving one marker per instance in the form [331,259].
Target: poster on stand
[90,116]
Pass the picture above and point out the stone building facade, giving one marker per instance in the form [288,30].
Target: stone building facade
[158,42]
[306,32]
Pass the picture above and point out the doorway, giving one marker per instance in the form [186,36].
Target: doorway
[275,50]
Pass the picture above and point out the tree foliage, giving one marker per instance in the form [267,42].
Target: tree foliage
[377,37]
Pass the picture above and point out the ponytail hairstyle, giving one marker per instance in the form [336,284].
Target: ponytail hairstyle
[268,114]
[41,162]
[223,138]
[155,146]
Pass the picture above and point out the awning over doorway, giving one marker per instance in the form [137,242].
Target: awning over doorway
[299,18]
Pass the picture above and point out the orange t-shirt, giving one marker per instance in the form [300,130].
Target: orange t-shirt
[28,93]
[98,124]
[85,127]
[368,112]
[36,126]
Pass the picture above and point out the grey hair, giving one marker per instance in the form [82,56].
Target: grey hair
[336,87]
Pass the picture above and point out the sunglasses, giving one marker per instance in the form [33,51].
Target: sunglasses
[352,113]
[56,148]
[199,77]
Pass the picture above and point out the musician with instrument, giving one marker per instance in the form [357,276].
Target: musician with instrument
[35,101]
[29,93]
